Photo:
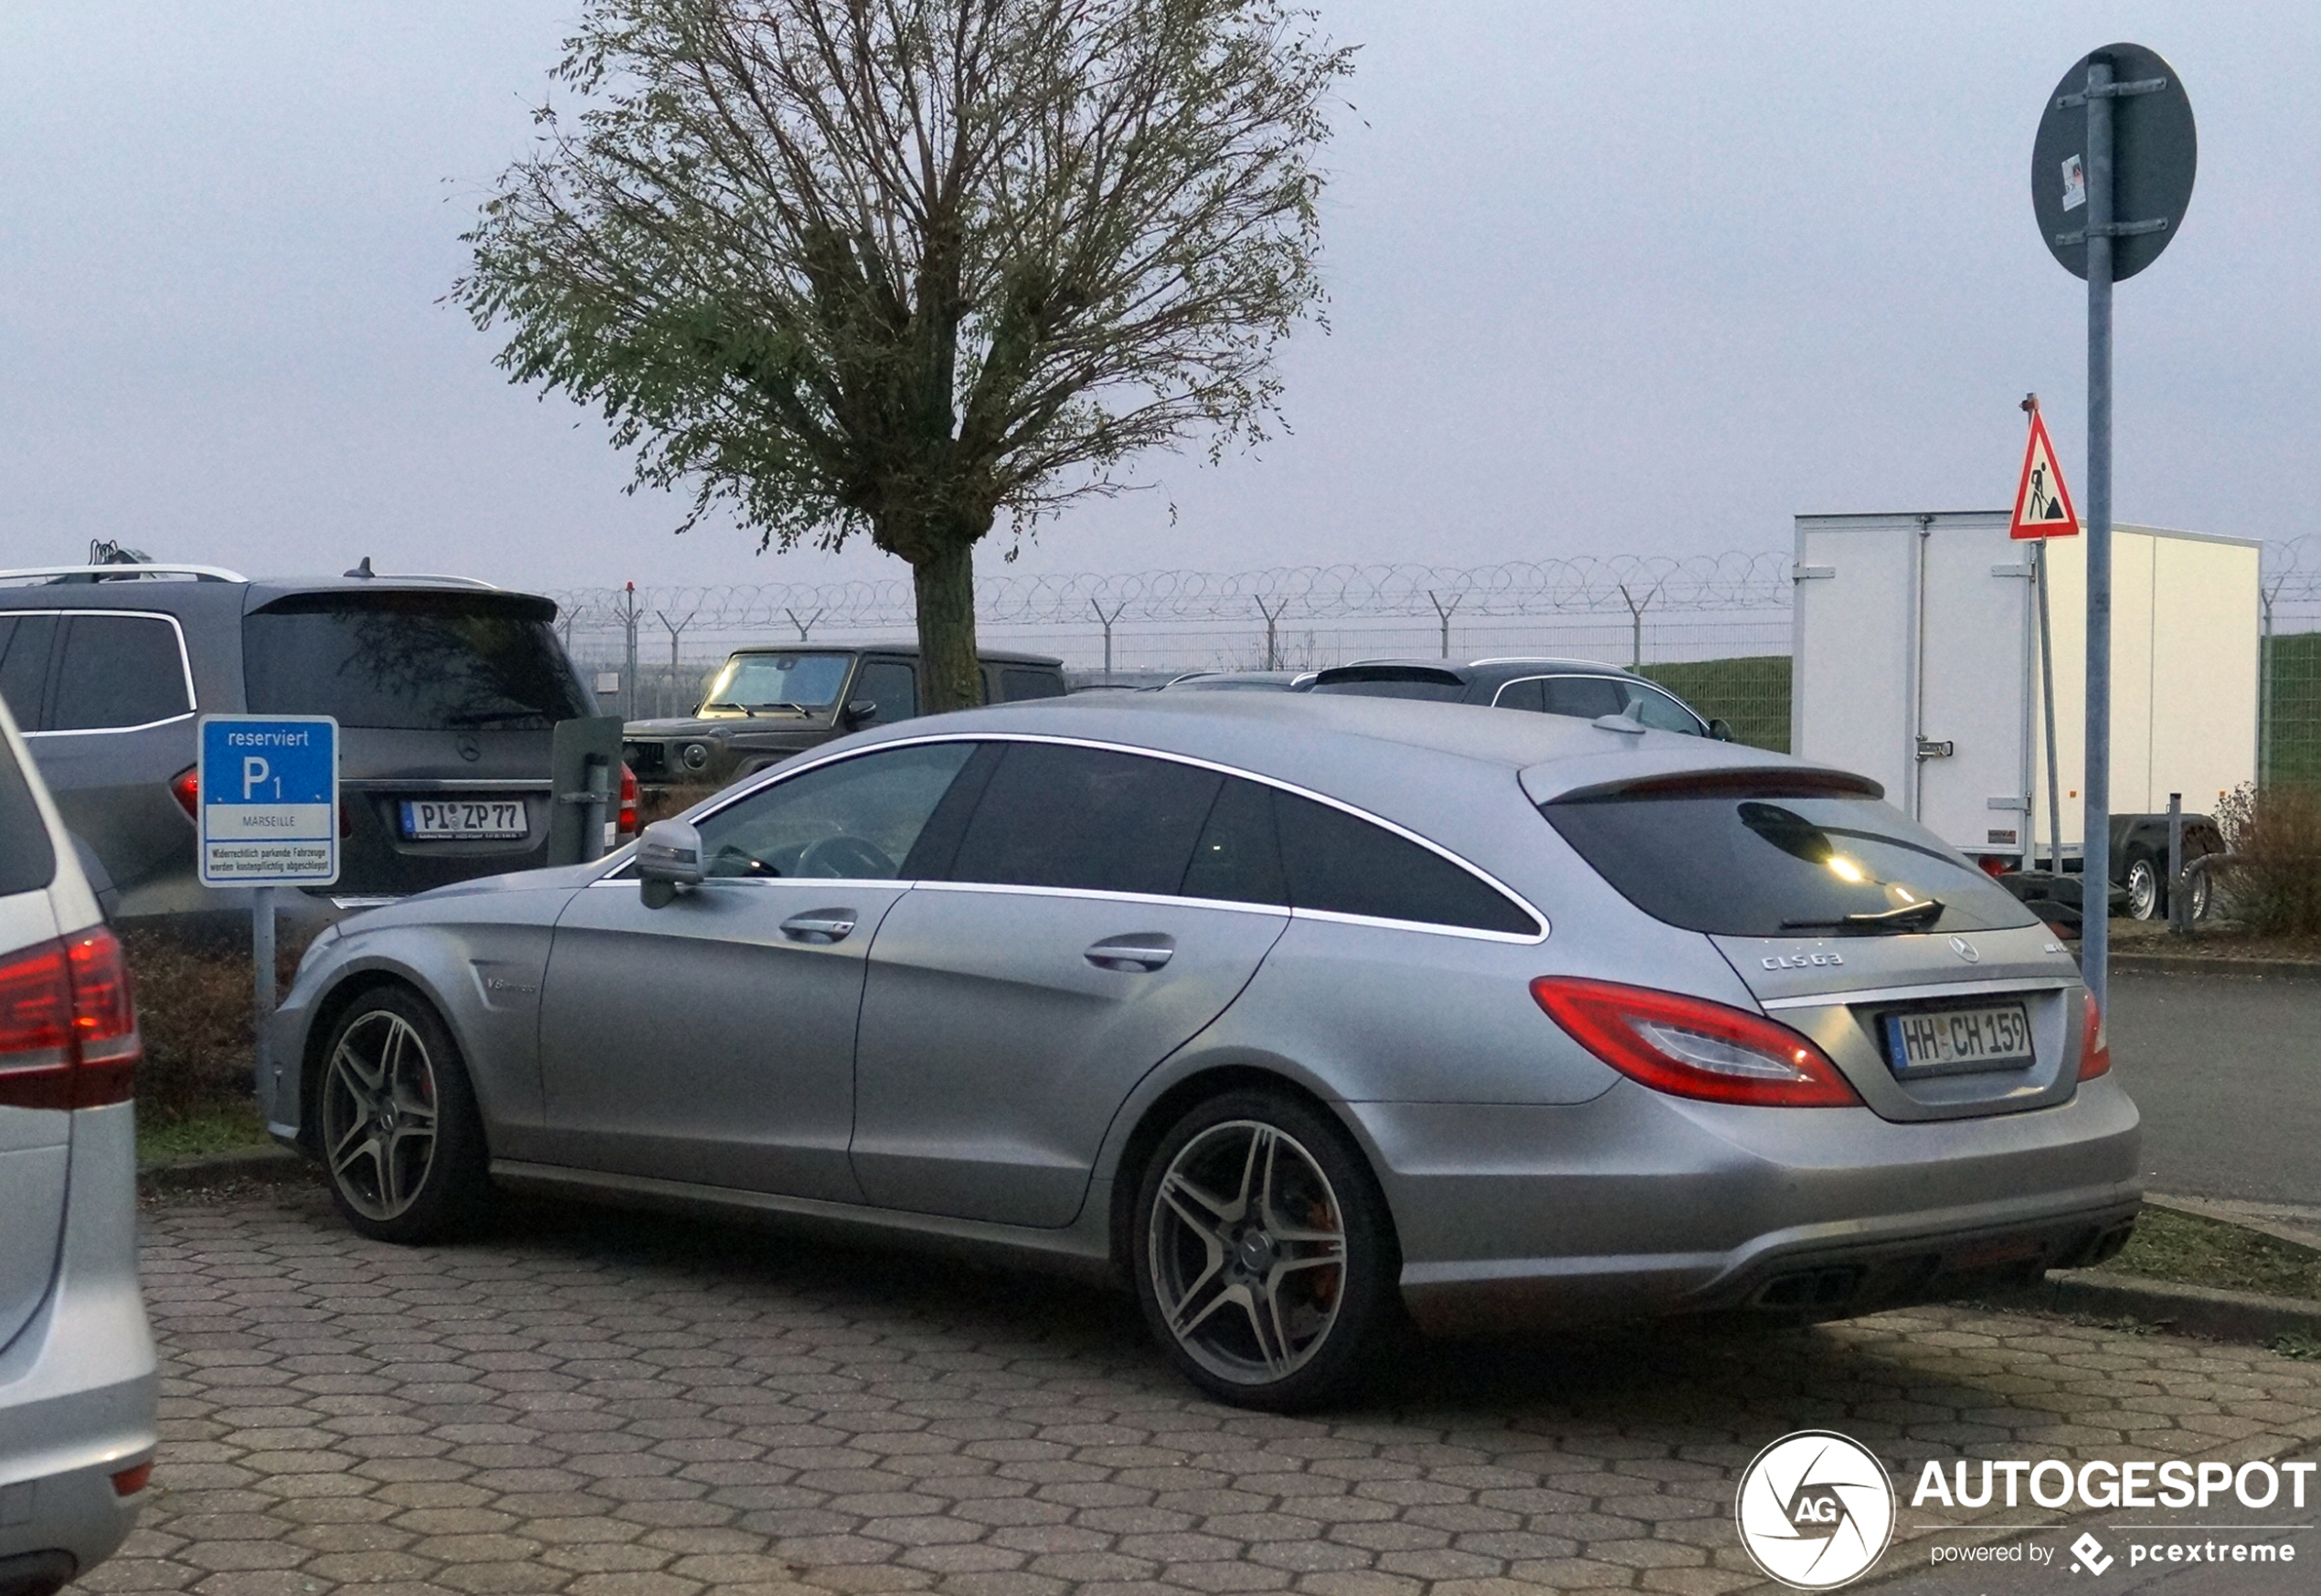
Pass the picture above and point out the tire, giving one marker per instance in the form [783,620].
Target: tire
[1264,1315]
[2146,893]
[402,1143]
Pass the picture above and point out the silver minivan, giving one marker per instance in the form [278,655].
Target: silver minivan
[77,1368]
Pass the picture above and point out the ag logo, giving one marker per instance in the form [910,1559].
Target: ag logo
[1815,1510]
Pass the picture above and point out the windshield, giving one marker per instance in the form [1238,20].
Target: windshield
[1739,866]
[806,682]
[411,661]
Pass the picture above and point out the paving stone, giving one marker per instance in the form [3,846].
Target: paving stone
[591,1403]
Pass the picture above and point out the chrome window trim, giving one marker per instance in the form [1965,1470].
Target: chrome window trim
[1095,895]
[1623,677]
[185,665]
[1999,986]
[793,768]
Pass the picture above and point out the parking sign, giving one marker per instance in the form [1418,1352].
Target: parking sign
[269,806]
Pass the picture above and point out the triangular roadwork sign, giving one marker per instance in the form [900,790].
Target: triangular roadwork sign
[2042,503]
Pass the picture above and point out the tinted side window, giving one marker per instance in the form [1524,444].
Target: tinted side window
[1339,862]
[857,818]
[1086,818]
[1016,683]
[119,671]
[1531,695]
[1238,857]
[890,684]
[27,862]
[1583,695]
[24,669]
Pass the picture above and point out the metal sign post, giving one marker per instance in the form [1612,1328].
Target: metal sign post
[269,792]
[2116,139]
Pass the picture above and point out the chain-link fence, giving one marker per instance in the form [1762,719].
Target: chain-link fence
[1715,630]
[2289,733]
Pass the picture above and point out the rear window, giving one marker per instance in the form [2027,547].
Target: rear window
[27,862]
[411,661]
[1016,683]
[1766,863]
[1393,681]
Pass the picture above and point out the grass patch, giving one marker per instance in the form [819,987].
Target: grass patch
[1751,692]
[223,1127]
[2193,1251]
[2304,1348]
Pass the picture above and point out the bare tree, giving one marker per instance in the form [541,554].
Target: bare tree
[905,266]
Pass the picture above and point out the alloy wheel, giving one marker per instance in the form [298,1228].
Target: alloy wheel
[1247,1252]
[379,1115]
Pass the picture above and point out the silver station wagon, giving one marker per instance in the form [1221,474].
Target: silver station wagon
[1310,1018]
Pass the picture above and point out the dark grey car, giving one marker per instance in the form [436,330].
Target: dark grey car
[766,704]
[446,693]
[1295,1012]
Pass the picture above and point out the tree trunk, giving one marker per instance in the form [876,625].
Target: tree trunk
[944,585]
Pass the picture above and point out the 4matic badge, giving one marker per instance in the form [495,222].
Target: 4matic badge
[1815,1510]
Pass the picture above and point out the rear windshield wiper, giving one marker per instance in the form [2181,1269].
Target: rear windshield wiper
[1909,917]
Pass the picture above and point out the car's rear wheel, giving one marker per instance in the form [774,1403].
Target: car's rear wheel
[1264,1255]
[2146,896]
[401,1139]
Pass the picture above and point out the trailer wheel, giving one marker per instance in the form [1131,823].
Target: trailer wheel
[2146,893]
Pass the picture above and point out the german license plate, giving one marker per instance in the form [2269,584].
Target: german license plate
[1935,1042]
[459,820]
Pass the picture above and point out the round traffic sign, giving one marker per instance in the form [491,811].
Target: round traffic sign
[2154,151]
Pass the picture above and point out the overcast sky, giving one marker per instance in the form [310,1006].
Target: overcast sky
[1634,278]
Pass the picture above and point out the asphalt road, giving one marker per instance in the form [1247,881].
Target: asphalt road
[2227,1069]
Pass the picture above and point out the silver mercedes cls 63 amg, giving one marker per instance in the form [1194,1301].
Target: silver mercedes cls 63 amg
[1310,1018]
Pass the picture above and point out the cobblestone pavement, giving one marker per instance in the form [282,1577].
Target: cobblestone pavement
[600,1404]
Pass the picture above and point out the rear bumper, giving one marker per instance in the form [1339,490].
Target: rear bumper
[1639,1204]
[78,1384]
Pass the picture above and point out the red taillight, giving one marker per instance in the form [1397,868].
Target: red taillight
[130,1481]
[628,801]
[2095,1047]
[68,1025]
[1693,1048]
[186,788]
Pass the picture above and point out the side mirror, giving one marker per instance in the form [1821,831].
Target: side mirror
[1722,730]
[862,712]
[668,858]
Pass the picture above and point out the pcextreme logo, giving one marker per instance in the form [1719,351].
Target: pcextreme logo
[1815,1510]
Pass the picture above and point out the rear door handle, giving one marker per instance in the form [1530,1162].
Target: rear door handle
[1145,951]
[819,925]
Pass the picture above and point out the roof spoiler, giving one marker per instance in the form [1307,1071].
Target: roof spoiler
[1771,781]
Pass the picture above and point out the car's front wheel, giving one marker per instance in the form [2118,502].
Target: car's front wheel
[2146,897]
[1263,1254]
[400,1136]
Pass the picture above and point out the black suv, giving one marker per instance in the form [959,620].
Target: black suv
[1556,687]
[765,704]
[441,688]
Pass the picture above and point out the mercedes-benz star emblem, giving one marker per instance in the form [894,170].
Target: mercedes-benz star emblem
[471,751]
[1965,950]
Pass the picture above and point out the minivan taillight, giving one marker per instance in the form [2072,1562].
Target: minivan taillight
[186,788]
[68,1025]
[2095,1047]
[628,801]
[1692,1048]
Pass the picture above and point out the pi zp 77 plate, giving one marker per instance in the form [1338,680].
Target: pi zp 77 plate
[462,819]
[1945,1041]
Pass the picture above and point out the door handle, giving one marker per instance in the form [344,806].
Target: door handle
[1146,951]
[819,925]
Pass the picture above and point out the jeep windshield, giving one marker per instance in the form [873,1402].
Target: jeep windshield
[410,660]
[1768,858]
[797,684]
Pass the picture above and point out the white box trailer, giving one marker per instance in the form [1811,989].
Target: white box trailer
[1917,663]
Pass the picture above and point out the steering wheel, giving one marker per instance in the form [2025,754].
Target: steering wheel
[845,856]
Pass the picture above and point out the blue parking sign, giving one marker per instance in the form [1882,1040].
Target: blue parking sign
[269,787]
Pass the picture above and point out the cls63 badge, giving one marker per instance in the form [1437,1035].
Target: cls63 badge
[1815,1510]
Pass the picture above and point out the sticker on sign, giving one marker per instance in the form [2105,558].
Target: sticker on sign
[268,807]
